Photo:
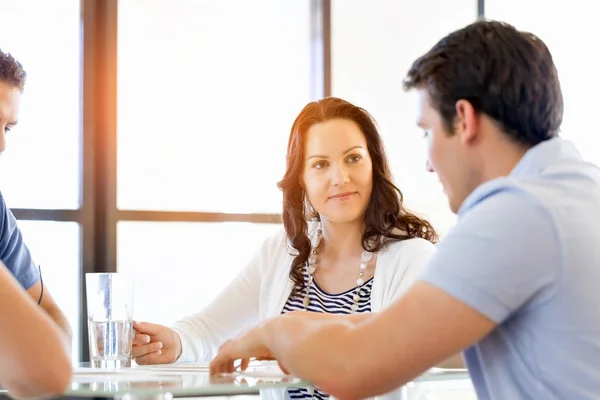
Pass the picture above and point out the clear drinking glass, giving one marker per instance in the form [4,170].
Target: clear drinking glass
[110,319]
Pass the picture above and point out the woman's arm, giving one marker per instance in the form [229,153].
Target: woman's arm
[235,309]
[34,352]
[198,336]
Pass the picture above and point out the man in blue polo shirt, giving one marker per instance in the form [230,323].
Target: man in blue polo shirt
[13,251]
[516,283]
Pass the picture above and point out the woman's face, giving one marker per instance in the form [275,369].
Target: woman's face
[338,171]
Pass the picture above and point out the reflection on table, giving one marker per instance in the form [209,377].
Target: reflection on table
[178,380]
[194,380]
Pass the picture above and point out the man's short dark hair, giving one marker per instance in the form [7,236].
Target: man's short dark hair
[504,73]
[11,71]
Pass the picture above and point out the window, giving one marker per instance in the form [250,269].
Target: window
[208,92]
[179,267]
[576,68]
[60,265]
[373,45]
[41,167]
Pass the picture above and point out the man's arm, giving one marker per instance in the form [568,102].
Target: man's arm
[34,360]
[501,257]
[352,360]
[454,361]
[50,307]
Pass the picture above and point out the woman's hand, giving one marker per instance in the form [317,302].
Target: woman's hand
[155,344]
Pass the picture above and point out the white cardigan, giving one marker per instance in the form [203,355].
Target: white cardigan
[262,288]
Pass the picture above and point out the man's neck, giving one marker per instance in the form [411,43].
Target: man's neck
[499,157]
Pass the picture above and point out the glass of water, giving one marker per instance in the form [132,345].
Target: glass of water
[110,319]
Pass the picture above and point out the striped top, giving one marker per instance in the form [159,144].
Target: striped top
[321,301]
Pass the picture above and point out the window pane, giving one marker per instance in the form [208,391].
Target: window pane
[40,168]
[55,246]
[373,46]
[208,91]
[180,266]
[575,67]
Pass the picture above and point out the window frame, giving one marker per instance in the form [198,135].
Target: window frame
[98,214]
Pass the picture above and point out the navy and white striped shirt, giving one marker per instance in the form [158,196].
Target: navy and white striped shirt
[321,301]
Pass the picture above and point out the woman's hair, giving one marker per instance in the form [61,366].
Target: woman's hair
[385,218]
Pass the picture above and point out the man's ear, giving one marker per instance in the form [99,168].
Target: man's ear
[466,124]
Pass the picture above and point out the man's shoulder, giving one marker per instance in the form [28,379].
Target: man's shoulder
[498,191]
[500,210]
[563,204]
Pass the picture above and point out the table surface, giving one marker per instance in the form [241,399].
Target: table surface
[194,380]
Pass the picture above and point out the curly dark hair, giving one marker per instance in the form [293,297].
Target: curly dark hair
[11,71]
[385,219]
[504,73]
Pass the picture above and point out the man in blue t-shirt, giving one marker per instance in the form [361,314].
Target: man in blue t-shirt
[13,251]
[516,283]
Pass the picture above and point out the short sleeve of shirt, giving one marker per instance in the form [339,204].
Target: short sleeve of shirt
[13,251]
[502,255]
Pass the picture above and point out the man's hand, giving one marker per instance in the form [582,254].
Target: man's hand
[246,347]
